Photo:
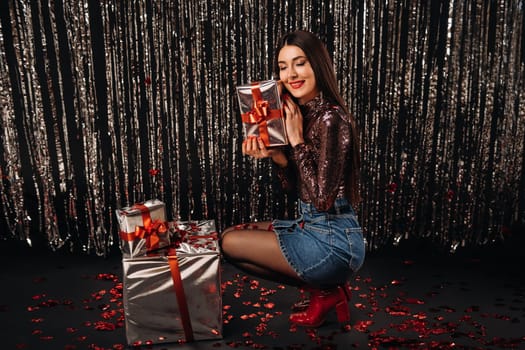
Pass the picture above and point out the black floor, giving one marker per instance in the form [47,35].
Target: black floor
[404,298]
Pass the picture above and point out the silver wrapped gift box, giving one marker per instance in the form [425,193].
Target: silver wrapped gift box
[143,228]
[261,112]
[176,296]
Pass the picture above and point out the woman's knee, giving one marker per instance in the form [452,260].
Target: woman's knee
[228,242]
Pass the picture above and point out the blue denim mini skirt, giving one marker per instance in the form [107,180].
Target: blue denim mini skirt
[324,248]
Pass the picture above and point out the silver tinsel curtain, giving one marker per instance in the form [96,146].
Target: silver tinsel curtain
[107,103]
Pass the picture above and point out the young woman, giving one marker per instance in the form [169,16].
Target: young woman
[324,246]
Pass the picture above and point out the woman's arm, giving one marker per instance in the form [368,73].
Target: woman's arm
[321,177]
[254,147]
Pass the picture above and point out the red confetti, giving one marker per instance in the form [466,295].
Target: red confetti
[360,306]
[420,316]
[109,315]
[50,303]
[266,292]
[104,326]
[269,305]
[392,187]
[397,310]
[104,307]
[362,326]
[414,301]
[254,284]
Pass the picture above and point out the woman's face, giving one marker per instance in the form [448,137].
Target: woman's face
[297,74]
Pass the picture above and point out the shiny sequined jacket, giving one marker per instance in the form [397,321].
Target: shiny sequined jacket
[318,168]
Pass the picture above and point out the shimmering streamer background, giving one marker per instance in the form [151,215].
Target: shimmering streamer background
[107,103]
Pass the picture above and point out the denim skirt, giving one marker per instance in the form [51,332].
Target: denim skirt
[324,248]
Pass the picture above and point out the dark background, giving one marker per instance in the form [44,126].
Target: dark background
[104,104]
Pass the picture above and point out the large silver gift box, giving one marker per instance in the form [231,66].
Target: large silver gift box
[143,228]
[261,112]
[165,303]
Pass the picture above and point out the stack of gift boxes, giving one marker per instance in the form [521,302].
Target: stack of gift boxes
[172,286]
[171,276]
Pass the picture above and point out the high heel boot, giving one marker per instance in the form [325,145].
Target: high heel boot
[321,302]
[304,301]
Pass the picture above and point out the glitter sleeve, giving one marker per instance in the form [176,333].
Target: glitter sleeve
[287,175]
[286,178]
[321,160]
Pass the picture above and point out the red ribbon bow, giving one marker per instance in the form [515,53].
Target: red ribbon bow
[150,231]
[258,113]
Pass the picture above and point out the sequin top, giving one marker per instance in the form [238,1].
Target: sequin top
[318,166]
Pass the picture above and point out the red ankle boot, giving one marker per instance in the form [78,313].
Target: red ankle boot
[304,301]
[321,302]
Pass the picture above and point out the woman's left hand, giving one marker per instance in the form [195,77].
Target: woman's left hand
[294,122]
[254,147]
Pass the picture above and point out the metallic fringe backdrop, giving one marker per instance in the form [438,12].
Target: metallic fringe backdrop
[107,103]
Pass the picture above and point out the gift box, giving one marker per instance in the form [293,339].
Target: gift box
[261,112]
[143,228]
[176,296]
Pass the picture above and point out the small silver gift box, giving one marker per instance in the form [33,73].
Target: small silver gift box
[261,112]
[143,228]
[176,296]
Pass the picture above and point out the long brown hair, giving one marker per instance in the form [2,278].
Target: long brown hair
[321,63]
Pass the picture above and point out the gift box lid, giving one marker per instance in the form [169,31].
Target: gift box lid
[194,237]
[132,210]
[268,89]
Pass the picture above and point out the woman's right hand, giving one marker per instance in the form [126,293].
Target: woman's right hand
[294,121]
[254,147]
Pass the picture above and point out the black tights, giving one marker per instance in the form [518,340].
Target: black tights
[256,251]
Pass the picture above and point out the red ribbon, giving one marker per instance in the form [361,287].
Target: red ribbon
[260,113]
[188,237]
[150,229]
[181,296]
[177,279]
[192,238]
